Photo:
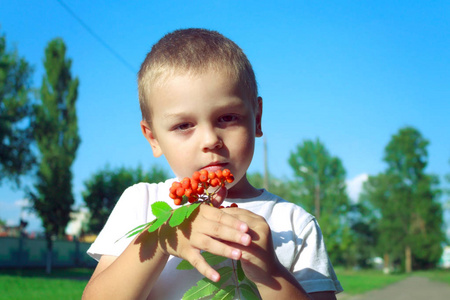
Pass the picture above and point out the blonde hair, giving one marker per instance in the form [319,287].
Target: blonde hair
[194,51]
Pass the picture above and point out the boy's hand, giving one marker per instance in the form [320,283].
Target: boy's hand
[210,229]
[258,260]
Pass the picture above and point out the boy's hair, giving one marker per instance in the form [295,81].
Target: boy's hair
[194,51]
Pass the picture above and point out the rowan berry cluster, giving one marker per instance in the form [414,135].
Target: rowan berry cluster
[196,188]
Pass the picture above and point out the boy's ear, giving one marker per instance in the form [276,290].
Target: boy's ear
[258,118]
[151,138]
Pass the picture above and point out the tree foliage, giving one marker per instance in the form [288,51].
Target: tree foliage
[16,157]
[410,217]
[320,178]
[104,188]
[56,134]
[280,187]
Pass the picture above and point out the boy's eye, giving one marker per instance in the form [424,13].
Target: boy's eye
[228,118]
[183,126]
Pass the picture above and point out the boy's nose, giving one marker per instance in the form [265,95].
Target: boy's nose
[211,140]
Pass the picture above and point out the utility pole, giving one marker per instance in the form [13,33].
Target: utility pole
[317,197]
[266,167]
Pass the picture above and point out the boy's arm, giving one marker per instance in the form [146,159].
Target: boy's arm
[133,274]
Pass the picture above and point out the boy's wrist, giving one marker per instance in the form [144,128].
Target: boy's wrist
[280,279]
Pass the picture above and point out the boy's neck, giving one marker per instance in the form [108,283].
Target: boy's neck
[243,190]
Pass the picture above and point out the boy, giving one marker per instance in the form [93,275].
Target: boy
[201,110]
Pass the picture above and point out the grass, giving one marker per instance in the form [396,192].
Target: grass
[70,283]
[436,275]
[36,284]
[361,281]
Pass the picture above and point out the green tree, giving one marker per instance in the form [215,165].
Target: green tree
[104,188]
[376,195]
[56,133]
[410,222]
[16,157]
[277,186]
[321,182]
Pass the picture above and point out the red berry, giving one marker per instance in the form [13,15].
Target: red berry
[219,174]
[203,177]
[173,196]
[196,175]
[226,172]
[194,184]
[214,182]
[177,201]
[173,190]
[233,205]
[211,175]
[188,192]
[230,178]
[180,192]
[186,182]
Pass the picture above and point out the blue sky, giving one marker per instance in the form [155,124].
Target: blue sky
[351,73]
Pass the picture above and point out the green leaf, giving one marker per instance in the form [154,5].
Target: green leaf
[213,259]
[178,216]
[225,294]
[159,208]
[204,288]
[225,274]
[240,271]
[135,230]
[210,258]
[192,208]
[138,229]
[248,292]
[159,221]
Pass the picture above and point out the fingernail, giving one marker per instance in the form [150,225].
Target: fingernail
[215,277]
[245,239]
[243,227]
[236,254]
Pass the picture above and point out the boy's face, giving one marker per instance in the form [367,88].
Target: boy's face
[204,122]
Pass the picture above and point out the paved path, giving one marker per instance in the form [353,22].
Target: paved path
[411,288]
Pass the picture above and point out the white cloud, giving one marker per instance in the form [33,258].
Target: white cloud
[354,186]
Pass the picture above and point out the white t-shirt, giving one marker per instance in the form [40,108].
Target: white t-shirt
[297,239]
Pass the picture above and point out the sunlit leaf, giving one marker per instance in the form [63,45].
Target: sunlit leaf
[204,288]
[192,208]
[159,208]
[178,216]
[225,294]
[135,230]
[159,221]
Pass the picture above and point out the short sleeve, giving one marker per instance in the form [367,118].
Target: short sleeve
[312,266]
[130,211]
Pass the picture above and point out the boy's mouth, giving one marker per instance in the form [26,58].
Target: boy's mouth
[212,167]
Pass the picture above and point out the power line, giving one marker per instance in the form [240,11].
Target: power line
[97,37]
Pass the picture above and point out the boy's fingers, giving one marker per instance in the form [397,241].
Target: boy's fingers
[210,229]
[198,262]
[219,196]
[244,215]
[223,218]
